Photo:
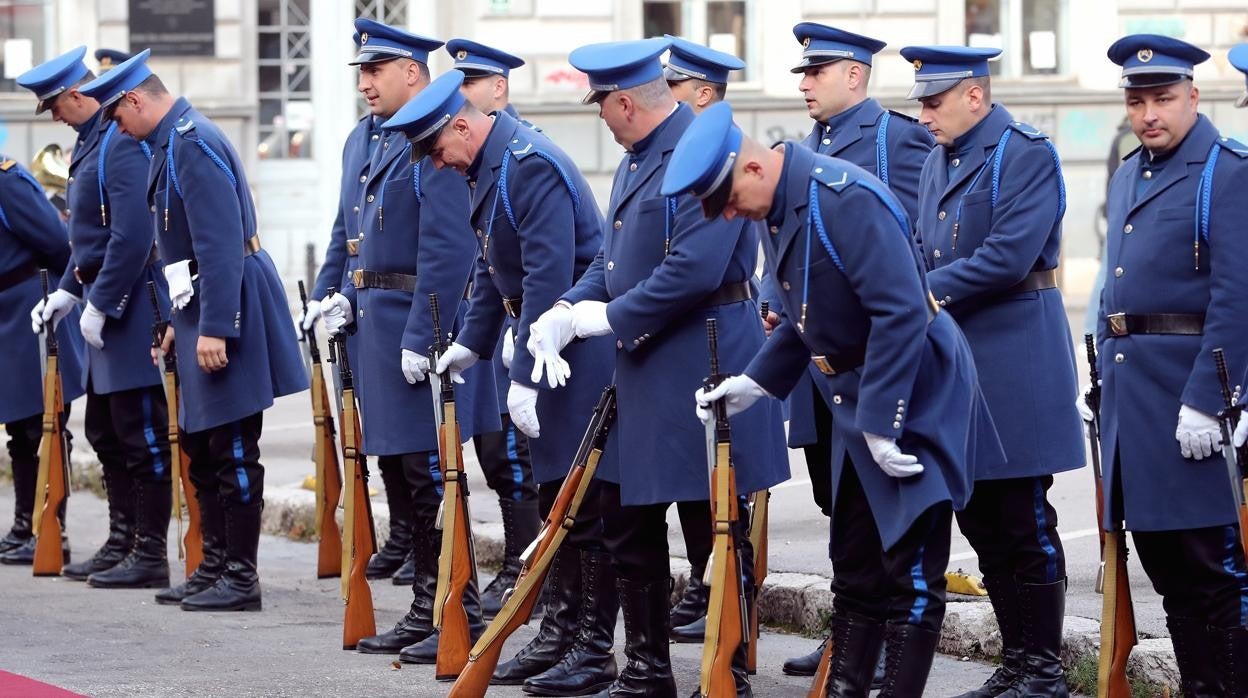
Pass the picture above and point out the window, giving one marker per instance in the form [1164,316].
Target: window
[1029,31]
[720,24]
[285,79]
[24,29]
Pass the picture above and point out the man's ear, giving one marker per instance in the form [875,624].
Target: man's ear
[461,127]
[500,88]
[626,103]
[706,94]
[752,168]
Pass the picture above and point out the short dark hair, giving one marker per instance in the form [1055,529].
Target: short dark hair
[720,88]
[152,85]
[984,82]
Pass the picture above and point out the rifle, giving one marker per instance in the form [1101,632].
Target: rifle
[759,505]
[819,687]
[457,561]
[52,481]
[325,457]
[190,546]
[1117,613]
[536,559]
[359,540]
[1228,418]
[727,624]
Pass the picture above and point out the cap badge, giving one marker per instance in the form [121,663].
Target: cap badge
[461,55]
[806,42]
[918,65]
[1145,55]
[364,38]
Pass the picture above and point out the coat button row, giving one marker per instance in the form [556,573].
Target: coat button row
[1119,271]
[1119,358]
[940,216]
[619,224]
[1128,228]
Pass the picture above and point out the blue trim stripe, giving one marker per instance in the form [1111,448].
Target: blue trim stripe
[1042,532]
[881,148]
[918,582]
[149,435]
[517,469]
[244,484]
[1232,566]
[435,471]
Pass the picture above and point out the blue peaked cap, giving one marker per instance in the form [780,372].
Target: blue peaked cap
[1152,60]
[689,60]
[939,68]
[382,42]
[823,44]
[424,115]
[476,60]
[109,58]
[50,79]
[703,160]
[618,65]
[110,87]
[1239,58]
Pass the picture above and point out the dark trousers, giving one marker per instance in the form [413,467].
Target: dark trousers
[1013,529]
[504,458]
[24,437]
[905,584]
[819,455]
[586,531]
[696,527]
[1199,573]
[225,460]
[423,475]
[129,431]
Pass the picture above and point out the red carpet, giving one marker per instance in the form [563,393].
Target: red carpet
[14,686]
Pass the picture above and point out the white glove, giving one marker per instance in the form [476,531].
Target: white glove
[178,275]
[55,309]
[739,392]
[522,404]
[1241,431]
[415,366]
[891,460]
[1198,434]
[589,319]
[1081,403]
[309,316]
[458,358]
[92,325]
[509,348]
[548,335]
[336,311]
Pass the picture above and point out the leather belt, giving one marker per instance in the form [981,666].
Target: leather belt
[1122,324]
[88,275]
[511,306]
[17,275]
[1035,281]
[834,365]
[353,247]
[729,293]
[363,278]
[250,246]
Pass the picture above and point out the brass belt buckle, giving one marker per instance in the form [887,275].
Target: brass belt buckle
[821,362]
[251,245]
[353,247]
[1118,324]
[357,278]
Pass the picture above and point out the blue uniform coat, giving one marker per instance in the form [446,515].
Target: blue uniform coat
[1021,341]
[1146,377]
[413,218]
[31,233]
[240,298]
[111,168]
[356,153]
[536,242]
[918,382]
[657,310]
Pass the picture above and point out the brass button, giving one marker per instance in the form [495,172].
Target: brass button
[948,299]
[619,344]
[818,170]
[363,178]
[375,136]
[774,230]
[610,265]
[479,232]
[370,198]
[1119,271]
[943,302]
[901,403]
[636,342]
[619,224]
[632,167]
[1128,228]
[786,286]
[1119,358]
[472,184]
[827,141]
[70,180]
[837,399]
[936,254]
[896,425]
[153,209]
[356,209]
[940,216]
[491,270]
[956,162]
[1148,174]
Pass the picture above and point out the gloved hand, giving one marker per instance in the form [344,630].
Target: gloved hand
[458,358]
[92,325]
[1198,434]
[589,319]
[739,392]
[1241,432]
[336,310]
[891,460]
[548,335]
[178,275]
[509,347]
[309,316]
[415,366]
[522,404]
[58,305]
[1081,403]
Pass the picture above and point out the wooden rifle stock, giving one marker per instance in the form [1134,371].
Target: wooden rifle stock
[457,564]
[725,619]
[474,680]
[1118,634]
[1228,418]
[52,481]
[325,458]
[819,686]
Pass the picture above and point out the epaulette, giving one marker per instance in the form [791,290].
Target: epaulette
[7,165]
[184,126]
[1028,130]
[521,148]
[1233,146]
[899,115]
[834,178]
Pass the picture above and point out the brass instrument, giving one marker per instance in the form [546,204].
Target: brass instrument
[51,170]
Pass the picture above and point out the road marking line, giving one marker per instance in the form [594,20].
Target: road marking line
[1073,535]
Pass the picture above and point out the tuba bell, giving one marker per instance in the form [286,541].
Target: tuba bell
[52,172]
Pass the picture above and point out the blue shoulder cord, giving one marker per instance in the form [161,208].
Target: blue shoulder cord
[500,191]
[172,174]
[1204,194]
[99,179]
[997,156]
[669,216]
[881,148]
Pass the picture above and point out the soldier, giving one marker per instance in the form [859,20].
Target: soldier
[836,71]
[504,455]
[697,75]
[108,58]
[235,346]
[909,424]
[991,201]
[32,237]
[416,241]
[539,230]
[662,271]
[1176,293]
[113,259]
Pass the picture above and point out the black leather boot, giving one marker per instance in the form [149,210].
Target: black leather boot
[212,530]
[18,535]
[688,617]
[238,587]
[559,625]
[418,623]
[406,574]
[121,525]
[1196,653]
[1004,594]
[648,669]
[426,650]
[147,564]
[520,527]
[856,642]
[909,650]
[1043,609]
[394,551]
[24,554]
[805,665]
[589,665]
[1232,651]
[25,475]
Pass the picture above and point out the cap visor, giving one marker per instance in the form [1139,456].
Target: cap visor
[713,204]
[1145,80]
[44,105]
[931,88]
[594,97]
[812,62]
[371,57]
[422,147]
[673,75]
